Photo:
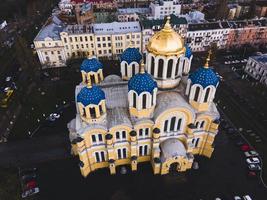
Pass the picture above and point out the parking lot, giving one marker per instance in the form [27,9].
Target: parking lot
[224,176]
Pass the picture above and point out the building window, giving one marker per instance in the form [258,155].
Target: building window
[207,95]
[100,156]
[65,40]
[196,93]
[70,39]
[81,39]
[143,150]
[169,69]
[97,138]
[122,153]
[121,135]
[160,68]
[76,39]
[144,101]
[143,133]
[134,99]
[98,39]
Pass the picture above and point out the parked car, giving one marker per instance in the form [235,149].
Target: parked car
[253,160]
[254,167]
[53,117]
[251,153]
[30,192]
[237,198]
[247,197]
[252,174]
[246,147]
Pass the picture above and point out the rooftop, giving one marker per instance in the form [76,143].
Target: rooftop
[159,22]
[51,29]
[116,27]
[262,59]
[78,29]
[208,26]
[134,10]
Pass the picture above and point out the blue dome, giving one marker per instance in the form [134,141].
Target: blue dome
[142,82]
[188,52]
[204,77]
[91,95]
[131,55]
[91,65]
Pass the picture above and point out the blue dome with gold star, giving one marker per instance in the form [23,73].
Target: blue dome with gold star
[188,52]
[131,55]
[204,76]
[91,65]
[142,82]
[91,95]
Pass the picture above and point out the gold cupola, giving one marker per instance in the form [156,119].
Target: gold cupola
[166,42]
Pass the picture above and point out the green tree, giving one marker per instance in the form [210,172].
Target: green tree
[222,10]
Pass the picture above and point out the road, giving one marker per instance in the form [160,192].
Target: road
[35,150]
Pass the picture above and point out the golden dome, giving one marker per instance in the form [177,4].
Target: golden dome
[166,42]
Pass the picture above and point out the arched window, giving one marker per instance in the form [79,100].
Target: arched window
[144,58]
[207,95]
[134,100]
[125,67]
[173,120]
[144,101]
[197,124]
[152,65]
[92,78]
[92,112]
[196,93]
[100,109]
[179,124]
[166,125]
[160,68]
[202,124]
[99,77]
[169,70]
[152,95]
[133,69]
[183,71]
[84,112]
[177,67]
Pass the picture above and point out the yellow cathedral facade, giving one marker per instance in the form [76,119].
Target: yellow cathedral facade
[155,112]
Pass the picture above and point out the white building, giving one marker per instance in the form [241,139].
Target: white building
[162,8]
[48,44]
[257,68]
[57,42]
[65,6]
[202,35]
[132,14]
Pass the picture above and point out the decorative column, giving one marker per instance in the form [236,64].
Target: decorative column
[133,150]
[111,156]
[155,149]
[190,137]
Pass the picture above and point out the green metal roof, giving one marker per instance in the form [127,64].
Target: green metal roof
[159,22]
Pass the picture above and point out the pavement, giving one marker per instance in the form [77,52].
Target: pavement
[224,176]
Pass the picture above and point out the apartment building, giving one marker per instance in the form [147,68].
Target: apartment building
[162,8]
[132,14]
[252,32]
[56,42]
[201,36]
[257,68]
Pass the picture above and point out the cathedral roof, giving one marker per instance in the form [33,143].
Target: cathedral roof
[142,82]
[92,95]
[188,51]
[204,76]
[131,55]
[91,65]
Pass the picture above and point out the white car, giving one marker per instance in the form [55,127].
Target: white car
[251,153]
[55,115]
[247,197]
[237,198]
[30,192]
[253,160]
[8,78]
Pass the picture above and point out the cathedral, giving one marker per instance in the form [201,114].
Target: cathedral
[157,111]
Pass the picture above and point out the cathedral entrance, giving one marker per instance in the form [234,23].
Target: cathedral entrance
[174,168]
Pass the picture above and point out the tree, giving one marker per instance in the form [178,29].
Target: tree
[222,10]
